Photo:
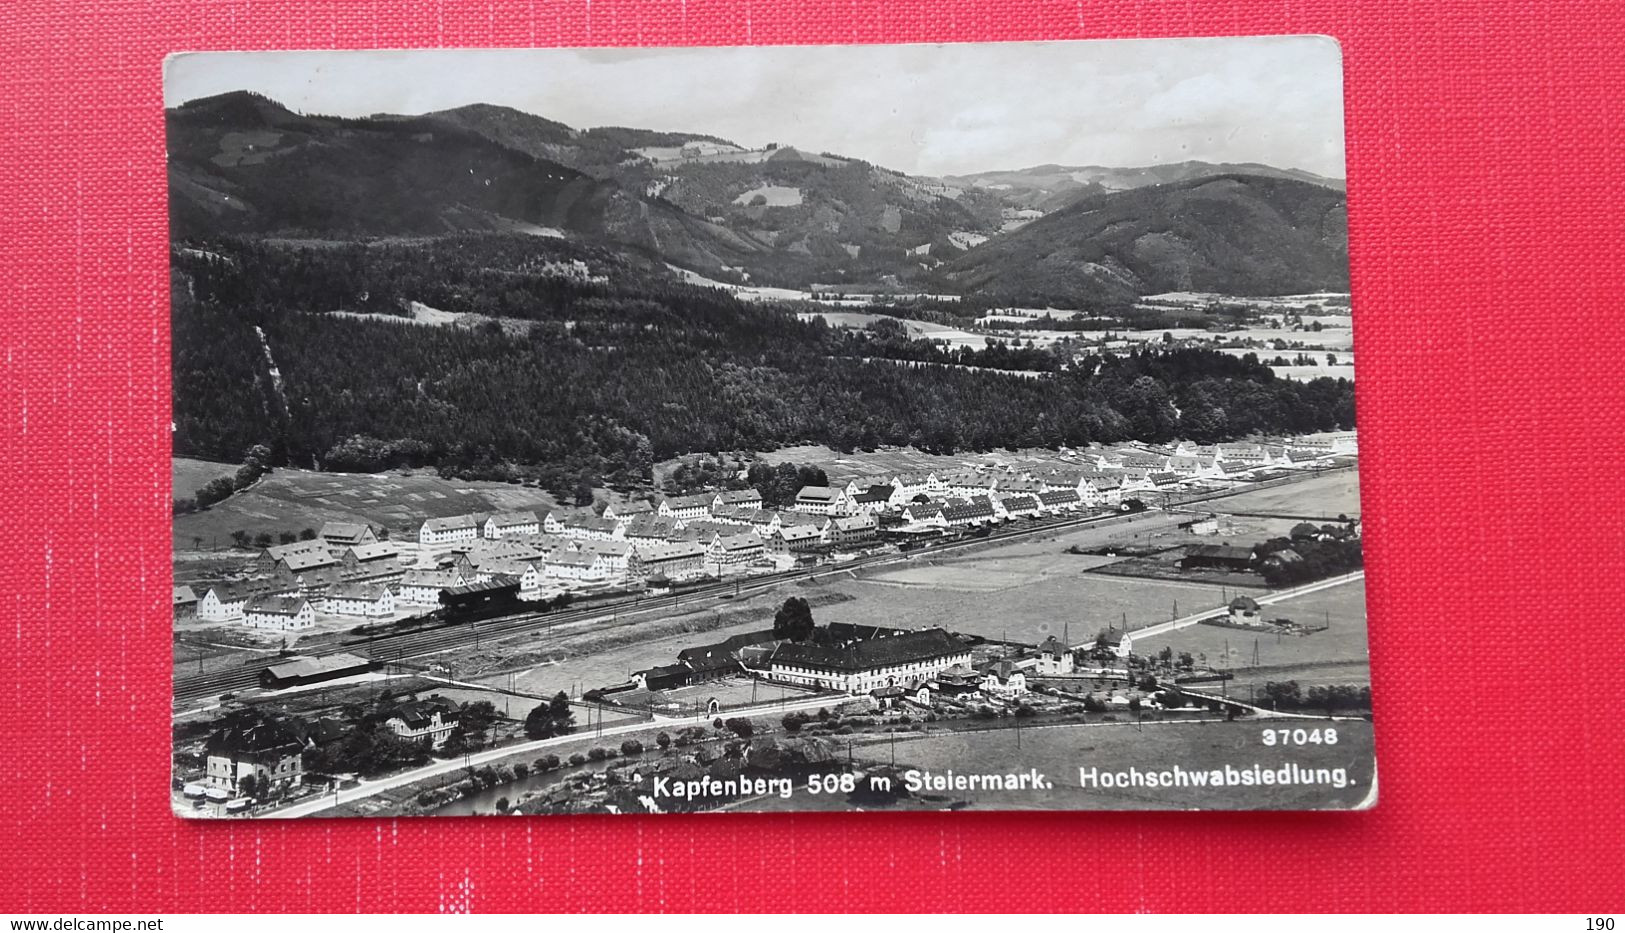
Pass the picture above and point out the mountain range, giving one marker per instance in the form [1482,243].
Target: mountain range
[242,164]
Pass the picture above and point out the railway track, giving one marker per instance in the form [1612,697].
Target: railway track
[419,643]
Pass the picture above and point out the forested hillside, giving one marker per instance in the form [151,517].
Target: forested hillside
[619,368]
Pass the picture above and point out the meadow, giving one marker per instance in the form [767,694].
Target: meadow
[1325,496]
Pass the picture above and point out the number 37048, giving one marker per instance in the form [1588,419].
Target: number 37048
[1326,736]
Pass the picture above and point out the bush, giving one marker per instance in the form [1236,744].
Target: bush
[597,753]
[521,771]
[502,805]
[631,747]
[663,740]
[844,730]
[577,760]
[547,763]
[741,727]
[1024,712]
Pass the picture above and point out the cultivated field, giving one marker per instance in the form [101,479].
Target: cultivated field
[292,500]
[843,467]
[1342,607]
[1325,496]
[188,475]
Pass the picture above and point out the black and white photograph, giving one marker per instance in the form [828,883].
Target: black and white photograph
[798,428]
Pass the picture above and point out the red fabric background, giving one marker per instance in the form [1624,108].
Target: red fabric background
[1486,152]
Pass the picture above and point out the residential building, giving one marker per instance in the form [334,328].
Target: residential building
[376,562]
[449,530]
[737,499]
[1217,557]
[594,528]
[651,528]
[577,568]
[620,558]
[793,539]
[268,751]
[872,500]
[279,613]
[1245,609]
[1059,500]
[732,553]
[423,587]
[632,508]
[185,602]
[961,513]
[527,572]
[508,524]
[687,507]
[1003,679]
[1020,506]
[431,721]
[340,535]
[296,557]
[896,660]
[674,560]
[851,529]
[861,484]
[822,500]
[925,515]
[1054,658]
[362,600]
[909,485]
[224,602]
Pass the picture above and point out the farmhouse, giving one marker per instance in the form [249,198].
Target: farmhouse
[1245,609]
[732,553]
[686,507]
[431,721]
[664,677]
[279,613]
[677,560]
[1216,557]
[261,759]
[857,668]
[450,530]
[363,600]
[506,524]
[821,500]
[715,661]
[423,587]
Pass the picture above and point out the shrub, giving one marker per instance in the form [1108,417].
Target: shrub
[547,763]
[631,747]
[502,805]
[663,740]
[597,753]
[521,771]
[578,759]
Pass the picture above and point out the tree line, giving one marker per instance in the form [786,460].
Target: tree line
[611,377]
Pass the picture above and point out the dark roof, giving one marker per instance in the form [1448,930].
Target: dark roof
[874,494]
[818,494]
[877,652]
[420,713]
[1219,551]
[1056,496]
[277,605]
[344,531]
[972,509]
[724,648]
[1021,502]
[1244,604]
[268,738]
[306,667]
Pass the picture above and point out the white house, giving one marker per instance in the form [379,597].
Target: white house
[901,660]
[737,499]
[279,613]
[851,529]
[675,560]
[423,587]
[507,524]
[449,530]
[908,485]
[733,553]
[594,528]
[619,557]
[1003,679]
[925,515]
[432,720]
[822,500]
[577,567]
[1054,658]
[363,600]
[340,535]
[224,602]
[629,510]
[687,507]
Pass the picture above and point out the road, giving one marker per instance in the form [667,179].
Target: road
[371,788]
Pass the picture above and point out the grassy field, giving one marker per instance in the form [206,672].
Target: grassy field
[292,500]
[187,476]
[1323,496]
[1343,607]
[842,467]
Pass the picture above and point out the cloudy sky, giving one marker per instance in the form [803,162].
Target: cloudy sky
[922,109]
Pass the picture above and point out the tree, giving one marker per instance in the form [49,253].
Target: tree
[473,719]
[308,534]
[263,539]
[551,718]
[663,740]
[582,493]
[248,786]
[794,620]
[631,748]
[286,537]
[741,727]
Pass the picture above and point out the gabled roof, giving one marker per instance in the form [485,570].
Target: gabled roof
[343,532]
[184,595]
[371,592]
[1012,503]
[1219,551]
[876,652]
[819,494]
[699,500]
[277,605]
[606,548]
[235,592]
[513,519]
[450,523]
[749,540]
[739,496]
[442,579]
[305,666]
[673,550]
[366,552]
[877,493]
[1059,496]
[635,507]
[798,532]
[572,559]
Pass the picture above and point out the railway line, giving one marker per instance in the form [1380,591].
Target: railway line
[559,624]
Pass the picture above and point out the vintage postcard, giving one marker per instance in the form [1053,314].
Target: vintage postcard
[916,427]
